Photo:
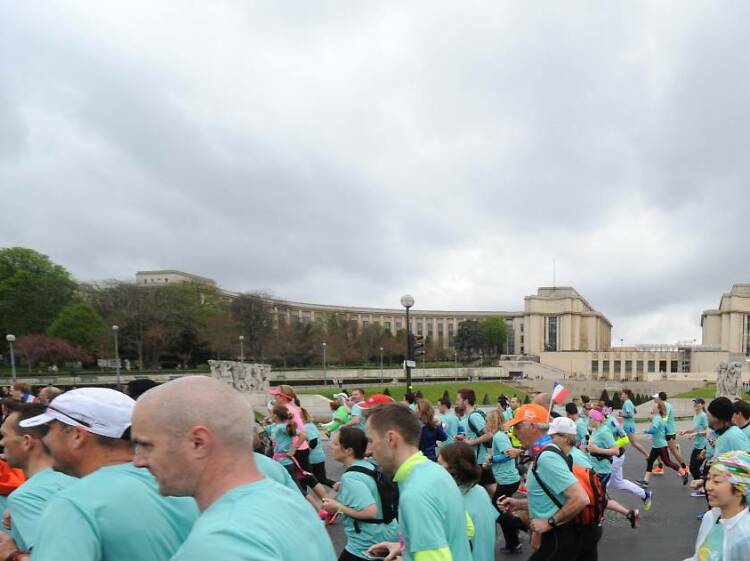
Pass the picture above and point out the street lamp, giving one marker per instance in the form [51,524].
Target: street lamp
[12,339]
[381,364]
[115,330]
[325,373]
[242,348]
[407,301]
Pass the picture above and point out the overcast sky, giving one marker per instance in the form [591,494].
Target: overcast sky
[349,152]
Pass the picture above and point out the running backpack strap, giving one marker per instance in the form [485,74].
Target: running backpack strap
[547,491]
[387,493]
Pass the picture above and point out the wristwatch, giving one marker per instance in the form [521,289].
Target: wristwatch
[551,522]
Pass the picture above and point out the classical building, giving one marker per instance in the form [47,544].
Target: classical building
[558,330]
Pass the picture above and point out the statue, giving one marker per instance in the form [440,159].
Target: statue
[244,377]
[729,380]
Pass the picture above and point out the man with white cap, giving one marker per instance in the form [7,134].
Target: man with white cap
[193,434]
[114,511]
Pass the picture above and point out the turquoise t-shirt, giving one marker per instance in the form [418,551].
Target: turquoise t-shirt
[282,442]
[580,458]
[27,503]
[582,428]
[431,512]
[507,414]
[476,421]
[317,454]
[746,430]
[358,491]
[505,472]
[556,475]
[450,426]
[261,521]
[483,515]
[700,424]
[712,548]
[114,514]
[357,411]
[628,416]
[732,440]
[602,437]
[274,470]
[671,429]
[710,441]
[658,431]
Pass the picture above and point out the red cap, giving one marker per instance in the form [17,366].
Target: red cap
[279,392]
[375,400]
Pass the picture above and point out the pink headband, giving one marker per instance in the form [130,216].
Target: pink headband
[596,415]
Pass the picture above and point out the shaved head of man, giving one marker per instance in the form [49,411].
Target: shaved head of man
[195,436]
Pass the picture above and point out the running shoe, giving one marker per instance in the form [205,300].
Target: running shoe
[643,484]
[511,550]
[522,489]
[657,471]
[700,516]
[634,516]
[647,501]
[685,478]
[698,493]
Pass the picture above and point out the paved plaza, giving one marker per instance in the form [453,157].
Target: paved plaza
[666,533]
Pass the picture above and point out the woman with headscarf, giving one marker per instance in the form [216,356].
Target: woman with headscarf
[724,534]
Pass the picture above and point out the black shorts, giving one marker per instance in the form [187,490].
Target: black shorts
[671,437]
[488,478]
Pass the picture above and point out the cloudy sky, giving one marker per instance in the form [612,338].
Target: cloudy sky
[348,152]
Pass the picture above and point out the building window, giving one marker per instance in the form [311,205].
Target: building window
[388,326]
[281,317]
[450,328]
[306,317]
[551,344]
[663,366]
[652,366]
[441,326]
[420,328]
[639,366]
[429,329]
[617,367]
[365,323]
[398,325]
[605,366]
[673,366]
[594,366]
[628,366]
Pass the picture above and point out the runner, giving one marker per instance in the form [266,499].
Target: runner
[582,427]
[628,416]
[358,498]
[659,449]
[503,407]
[432,429]
[340,415]
[21,391]
[24,450]
[553,534]
[357,419]
[317,451]
[476,435]
[698,434]
[431,514]
[724,533]
[113,511]
[672,436]
[741,417]
[449,420]
[458,460]
[730,438]
[192,434]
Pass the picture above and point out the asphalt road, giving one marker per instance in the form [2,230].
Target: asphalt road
[666,533]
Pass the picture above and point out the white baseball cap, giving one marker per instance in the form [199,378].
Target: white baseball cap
[100,411]
[341,395]
[562,425]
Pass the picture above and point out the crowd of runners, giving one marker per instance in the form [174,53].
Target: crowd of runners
[183,471]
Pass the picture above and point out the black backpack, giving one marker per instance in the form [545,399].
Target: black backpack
[387,491]
[479,433]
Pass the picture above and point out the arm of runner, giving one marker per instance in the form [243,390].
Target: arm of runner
[389,550]
[486,437]
[614,451]
[575,501]
[367,513]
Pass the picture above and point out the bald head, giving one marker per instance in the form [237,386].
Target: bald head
[542,399]
[181,404]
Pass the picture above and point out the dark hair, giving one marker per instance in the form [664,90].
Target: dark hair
[396,417]
[469,395]
[461,463]
[361,390]
[334,405]
[502,400]
[136,388]
[742,407]
[24,387]
[571,408]
[445,402]
[629,393]
[608,403]
[26,411]
[426,413]
[284,414]
[410,397]
[663,396]
[721,408]
[354,439]
[585,399]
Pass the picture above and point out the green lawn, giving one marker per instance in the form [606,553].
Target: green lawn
[434,392]
[707,392]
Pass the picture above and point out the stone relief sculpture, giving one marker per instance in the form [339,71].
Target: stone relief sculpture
[242,376]
[729,380]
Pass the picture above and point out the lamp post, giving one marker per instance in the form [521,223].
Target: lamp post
[455,362]
[325,372]
[381,364]
[242,348]
[407,301]
[12,339]
[115,331]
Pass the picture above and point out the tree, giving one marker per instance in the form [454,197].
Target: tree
[82,326]
[469,339]
[493,331]
[43,348]
[252,313]
[33,291]
[604,396]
